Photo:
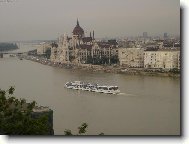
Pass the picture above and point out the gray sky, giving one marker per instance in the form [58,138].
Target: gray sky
[47,19]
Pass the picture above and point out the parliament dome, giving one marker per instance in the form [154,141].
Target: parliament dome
[78,30]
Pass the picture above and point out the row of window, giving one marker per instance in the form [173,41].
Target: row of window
[89,53]
[160,66]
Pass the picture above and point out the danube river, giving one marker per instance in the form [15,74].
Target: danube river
[147,105]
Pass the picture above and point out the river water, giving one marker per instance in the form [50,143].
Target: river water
[147,105]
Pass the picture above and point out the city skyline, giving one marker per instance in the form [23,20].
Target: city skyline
[33,20]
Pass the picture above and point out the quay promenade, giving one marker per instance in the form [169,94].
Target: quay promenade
[103,68]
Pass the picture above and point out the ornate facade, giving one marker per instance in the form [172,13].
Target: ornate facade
[79,49]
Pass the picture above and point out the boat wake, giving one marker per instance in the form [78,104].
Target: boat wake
[121,94]
[126,94]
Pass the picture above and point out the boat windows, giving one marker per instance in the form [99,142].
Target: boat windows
[113,88]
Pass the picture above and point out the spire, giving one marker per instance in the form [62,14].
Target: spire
[93,34]
[77,22]
[90,34]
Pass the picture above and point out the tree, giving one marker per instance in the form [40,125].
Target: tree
[7,46]
[89,60]
[68,132]
[114,59]
[15,119]
[11,90]
[174,70]
[81,130]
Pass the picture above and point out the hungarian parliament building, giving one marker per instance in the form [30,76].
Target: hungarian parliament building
[80,49]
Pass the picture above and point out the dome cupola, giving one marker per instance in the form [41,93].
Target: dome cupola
[78,30]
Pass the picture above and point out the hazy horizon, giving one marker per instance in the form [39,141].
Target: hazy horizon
[46,19]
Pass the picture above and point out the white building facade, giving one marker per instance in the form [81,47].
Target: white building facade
[165,59]
[131,57]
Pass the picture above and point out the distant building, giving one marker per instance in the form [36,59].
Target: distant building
[123,43]
[107,51]
[145,34]
[42,48]
[163,58]
[165,35]
[131,57]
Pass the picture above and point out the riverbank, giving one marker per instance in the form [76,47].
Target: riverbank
[127,71]
[105,68]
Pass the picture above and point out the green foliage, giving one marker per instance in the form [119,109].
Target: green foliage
[11,90]
[47,54]
[68,132]
[2,93]
[16,116]
[102,60]
[174,70]
[7,46]
[81,130]
[32,52]
[114,60]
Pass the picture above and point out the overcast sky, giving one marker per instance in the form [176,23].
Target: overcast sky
[47,19]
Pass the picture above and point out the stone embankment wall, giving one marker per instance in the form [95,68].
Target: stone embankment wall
[107,68]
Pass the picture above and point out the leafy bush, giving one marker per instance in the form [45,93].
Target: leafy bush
[16,116]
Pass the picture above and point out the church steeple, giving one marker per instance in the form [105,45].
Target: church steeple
[90,34]
[77,22]
[93,34]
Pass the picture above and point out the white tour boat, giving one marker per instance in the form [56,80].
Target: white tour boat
[78,85]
